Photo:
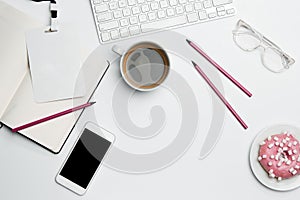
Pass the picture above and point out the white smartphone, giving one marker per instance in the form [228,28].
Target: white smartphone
[85,158]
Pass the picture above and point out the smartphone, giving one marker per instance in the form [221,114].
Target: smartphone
[85,158]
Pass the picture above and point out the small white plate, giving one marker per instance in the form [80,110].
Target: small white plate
[259,172]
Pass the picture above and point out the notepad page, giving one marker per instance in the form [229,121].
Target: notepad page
[13,54]
[23,109]
[52,134]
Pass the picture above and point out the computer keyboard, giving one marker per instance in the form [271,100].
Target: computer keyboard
[122,19]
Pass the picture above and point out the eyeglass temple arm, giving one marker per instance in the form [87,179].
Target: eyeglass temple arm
[270,42]
[290,59]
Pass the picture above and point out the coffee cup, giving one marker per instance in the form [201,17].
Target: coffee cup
[144,66]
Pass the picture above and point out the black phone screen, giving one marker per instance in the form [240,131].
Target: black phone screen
[85,158]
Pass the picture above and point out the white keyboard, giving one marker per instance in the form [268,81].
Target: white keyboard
[122,19]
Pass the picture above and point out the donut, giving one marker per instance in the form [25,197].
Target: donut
[279,155]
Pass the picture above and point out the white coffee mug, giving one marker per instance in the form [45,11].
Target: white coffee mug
[143,66]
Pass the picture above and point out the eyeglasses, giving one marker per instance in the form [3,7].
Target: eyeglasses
[272,57]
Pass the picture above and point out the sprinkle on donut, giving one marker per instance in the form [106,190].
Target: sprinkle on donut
[279,156]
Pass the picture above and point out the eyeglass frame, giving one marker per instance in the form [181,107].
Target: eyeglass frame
[287,61]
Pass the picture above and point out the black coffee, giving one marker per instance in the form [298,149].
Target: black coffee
[146,65]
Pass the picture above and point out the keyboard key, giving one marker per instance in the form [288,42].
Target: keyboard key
[105,37]
[97,1]
[124,22]
[101,8]
[122,3]
[135,10]
[133,20]
[222,13]
[114,34]
[221,2]
[165,23]
[163,4]
[108,25]
[230,11]
[193,17]
[207,4]
[134,30]
[145,8]
[173,2]
[113,5]
[221,8]
[170,12]
[179,10]
[152,15]
[104,16]
[189,8]
[182,1]
[140,1]
[212,15]
[198,6]
[126,12]
[161,14]
[143,18]
[202,15]
[154,6]
[131,2]
[117,14]
[124,32]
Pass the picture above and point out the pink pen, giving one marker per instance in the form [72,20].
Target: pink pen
[52,117]
[219,68]
[213,87]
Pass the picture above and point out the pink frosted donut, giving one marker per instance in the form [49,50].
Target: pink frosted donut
[279,156]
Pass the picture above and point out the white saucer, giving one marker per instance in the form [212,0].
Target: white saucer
[259,172]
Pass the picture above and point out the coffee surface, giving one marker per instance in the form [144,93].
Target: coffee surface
[145,66]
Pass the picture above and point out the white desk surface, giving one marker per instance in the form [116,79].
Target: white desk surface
[27,171]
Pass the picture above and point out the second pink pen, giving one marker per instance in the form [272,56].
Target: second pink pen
[227,104]
[219,68]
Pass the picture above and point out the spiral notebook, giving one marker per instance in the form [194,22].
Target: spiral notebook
[17,104]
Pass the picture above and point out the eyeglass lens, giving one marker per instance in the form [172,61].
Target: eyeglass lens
[247,41]
[273,60]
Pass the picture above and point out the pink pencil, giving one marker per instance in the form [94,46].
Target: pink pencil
[219,68]
[52,117]
[220,96]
